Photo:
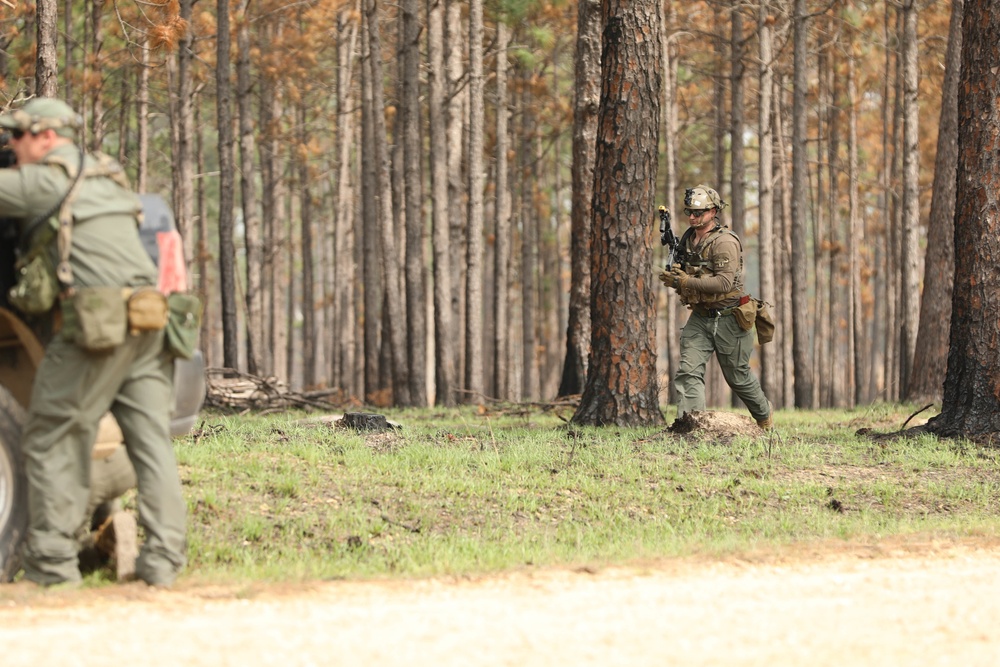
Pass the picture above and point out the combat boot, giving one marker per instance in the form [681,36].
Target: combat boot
[767,423]
[118,539]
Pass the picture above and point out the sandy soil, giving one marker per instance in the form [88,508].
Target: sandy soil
[909,604]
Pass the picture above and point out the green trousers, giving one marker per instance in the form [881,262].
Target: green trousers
[701,337]
[72,390]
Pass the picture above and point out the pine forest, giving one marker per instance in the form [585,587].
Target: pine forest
[391,201]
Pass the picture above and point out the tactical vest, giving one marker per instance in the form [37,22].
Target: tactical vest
[697,265]
[42,275]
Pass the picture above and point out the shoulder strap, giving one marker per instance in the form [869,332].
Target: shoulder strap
[104,167]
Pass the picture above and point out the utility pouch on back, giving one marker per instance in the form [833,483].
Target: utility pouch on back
[36,288]
[101,318]
[765,323]
[147,310]
[183,324]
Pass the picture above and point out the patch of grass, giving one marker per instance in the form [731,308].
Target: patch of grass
[456,491]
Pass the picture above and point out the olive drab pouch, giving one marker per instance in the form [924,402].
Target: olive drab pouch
[37,288]
[183,324]
[745,314]
[147,310]
[101,318]
[765,323]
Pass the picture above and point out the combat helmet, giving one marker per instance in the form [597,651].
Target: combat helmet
[702,197]
[43,113]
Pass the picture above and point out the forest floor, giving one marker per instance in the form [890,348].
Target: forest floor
[909,601]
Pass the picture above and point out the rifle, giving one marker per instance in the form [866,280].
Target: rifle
[667,237]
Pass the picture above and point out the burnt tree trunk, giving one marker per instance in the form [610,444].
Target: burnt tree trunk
[621,385]
[971,406]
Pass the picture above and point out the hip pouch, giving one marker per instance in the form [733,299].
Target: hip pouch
[37,287]
[765,323]
[147,310]
[746,313]
[183,324]
[95,318]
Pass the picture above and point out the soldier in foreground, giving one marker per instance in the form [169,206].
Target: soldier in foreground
[82,256]
[709,279]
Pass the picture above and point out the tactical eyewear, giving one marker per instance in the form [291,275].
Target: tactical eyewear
[697,212]
[17,134]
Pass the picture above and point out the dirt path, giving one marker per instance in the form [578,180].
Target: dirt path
[923,604]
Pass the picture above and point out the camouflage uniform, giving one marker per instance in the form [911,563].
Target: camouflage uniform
[73,388]
[710,283]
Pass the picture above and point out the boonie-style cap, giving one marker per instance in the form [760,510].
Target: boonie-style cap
[43,113]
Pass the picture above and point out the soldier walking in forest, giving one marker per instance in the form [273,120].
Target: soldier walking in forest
[708,276]
[79,217]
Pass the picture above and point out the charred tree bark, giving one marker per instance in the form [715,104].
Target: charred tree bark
[621,384]
[971,406]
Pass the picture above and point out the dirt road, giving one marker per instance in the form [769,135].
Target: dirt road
[926,604]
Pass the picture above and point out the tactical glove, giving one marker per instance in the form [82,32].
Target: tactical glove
[674,278]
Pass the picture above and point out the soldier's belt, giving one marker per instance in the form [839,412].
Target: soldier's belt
[720,312]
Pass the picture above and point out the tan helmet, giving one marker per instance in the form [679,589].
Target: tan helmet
[702,197]
[43,113]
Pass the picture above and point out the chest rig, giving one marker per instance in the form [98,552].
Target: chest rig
[697,262]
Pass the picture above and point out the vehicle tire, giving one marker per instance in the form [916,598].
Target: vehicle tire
[13,486]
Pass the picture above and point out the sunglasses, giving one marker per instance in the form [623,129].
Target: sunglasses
[17,134]
[697,212]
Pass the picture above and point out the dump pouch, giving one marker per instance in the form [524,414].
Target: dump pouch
[183,324]
[147,310]
[36,288]
[765,323]
[745,314]
[101,318]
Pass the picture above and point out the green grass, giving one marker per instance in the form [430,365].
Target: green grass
[284,498]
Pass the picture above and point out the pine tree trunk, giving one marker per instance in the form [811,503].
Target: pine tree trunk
[474,259]
[206,289]
[529,247]
[416,291]
[456,110]
[784,334]
[371,262]
[930,359]
[502,251]
[182,137]
[248,194]
[142,123]
[46,57]
[971,406]
[444,330]
[621,384]
[393,328]
[857,344]
[306,253]
[227,247]
[585,107]
[765,169]
[343,363]
[801,323]
[737,123]
[909,257]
